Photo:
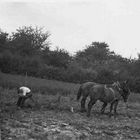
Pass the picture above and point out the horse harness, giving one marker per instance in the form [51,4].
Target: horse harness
[113,87]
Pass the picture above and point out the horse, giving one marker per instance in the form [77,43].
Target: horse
[84,92]
[108,94]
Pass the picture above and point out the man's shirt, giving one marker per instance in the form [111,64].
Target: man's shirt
[24,90]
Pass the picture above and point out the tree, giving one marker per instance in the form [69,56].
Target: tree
[57,58]
[3,40]
[29,41]
[97,52]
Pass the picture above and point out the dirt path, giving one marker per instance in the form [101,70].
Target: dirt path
[29,124]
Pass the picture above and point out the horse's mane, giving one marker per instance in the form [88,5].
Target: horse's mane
[117,85]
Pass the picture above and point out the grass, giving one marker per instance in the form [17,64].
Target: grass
[38,85]
[46,87]
[52,118]
[134,98]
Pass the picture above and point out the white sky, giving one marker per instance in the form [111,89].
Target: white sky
[73,24]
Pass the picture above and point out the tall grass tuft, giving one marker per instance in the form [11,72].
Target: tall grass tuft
[42,86]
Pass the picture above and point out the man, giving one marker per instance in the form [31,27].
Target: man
[24,93]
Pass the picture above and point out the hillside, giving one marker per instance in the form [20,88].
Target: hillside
[37,84]
[52,119]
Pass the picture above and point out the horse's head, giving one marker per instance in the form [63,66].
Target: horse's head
[126,91]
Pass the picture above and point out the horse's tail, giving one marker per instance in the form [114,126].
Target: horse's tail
[79,93]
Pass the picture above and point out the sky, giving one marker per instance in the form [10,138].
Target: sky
[74,24]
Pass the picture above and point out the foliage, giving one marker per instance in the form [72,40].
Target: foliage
[3,40]
[57,58]
[28,51]
[95,53]
[28,41]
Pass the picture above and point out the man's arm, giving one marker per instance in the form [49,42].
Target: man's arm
[29,95]
[20,92]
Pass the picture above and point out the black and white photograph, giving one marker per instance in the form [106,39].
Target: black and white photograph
[69,69]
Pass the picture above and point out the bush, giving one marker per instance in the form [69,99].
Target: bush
[75,73]
[6,62]
[16,64]
[105,76]
[50,72]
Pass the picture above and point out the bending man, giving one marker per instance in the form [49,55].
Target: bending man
[24,93]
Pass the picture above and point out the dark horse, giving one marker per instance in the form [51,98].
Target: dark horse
[84,92]
[108,94]
[105,93]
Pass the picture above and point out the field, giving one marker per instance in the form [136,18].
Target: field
[52,118]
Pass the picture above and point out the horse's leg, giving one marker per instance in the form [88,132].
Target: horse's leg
[103,107]
[111,107]
[83,109]
[90,104]
[115,107]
